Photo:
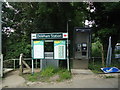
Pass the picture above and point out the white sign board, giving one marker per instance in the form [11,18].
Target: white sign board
[60,49]
[38,49]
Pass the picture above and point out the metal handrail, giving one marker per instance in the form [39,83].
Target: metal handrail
[17,60]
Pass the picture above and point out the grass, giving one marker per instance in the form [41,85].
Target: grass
[95,67]
[109,77]
[98,64]
[64,74]
[33,78]
[47,73]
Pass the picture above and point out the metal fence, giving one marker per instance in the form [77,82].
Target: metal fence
[95,59]
[14,63]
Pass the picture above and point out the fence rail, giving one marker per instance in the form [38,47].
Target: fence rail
[13,63]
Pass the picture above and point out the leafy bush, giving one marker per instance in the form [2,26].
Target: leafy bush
[96,49]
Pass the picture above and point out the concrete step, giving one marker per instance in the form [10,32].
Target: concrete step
[81,71]
[80,64]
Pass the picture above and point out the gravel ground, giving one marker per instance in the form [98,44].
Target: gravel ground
[13,80]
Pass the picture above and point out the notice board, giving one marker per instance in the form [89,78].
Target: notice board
[38,49]
[59,49]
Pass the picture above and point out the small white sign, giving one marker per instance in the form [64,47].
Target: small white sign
[33,36]
[65,35]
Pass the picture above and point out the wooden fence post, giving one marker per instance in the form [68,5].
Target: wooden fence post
[93,60]
[14,64]
[103,59]
[36,63]
[21,63]
[1,65]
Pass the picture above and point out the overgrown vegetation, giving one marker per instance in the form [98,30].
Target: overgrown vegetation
[96,49]
[48,73]
[96,65]
[109,77]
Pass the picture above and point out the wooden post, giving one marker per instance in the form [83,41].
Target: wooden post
[41,67]
[103,59]
[36,63]
[93,60]
[1,66]
[14,64]
[21,64]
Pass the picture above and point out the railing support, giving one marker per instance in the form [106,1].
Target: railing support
[14,64]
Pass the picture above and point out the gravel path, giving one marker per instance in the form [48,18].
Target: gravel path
[13,80]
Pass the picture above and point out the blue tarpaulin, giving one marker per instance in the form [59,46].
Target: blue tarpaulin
[110,69]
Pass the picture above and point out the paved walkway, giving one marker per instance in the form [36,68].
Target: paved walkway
[12,79]
[86,79]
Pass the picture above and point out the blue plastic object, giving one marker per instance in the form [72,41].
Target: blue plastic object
[110,69]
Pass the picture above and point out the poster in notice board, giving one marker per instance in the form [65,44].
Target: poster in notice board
[60,49]
[38,49]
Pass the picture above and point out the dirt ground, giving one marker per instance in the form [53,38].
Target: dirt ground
[13,80]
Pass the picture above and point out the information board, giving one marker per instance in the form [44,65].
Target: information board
[59,49]
[38,49]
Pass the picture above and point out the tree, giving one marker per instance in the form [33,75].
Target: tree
[107,18]
[33,17]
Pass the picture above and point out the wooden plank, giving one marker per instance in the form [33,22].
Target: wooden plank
[25,64]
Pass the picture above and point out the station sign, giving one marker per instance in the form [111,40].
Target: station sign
[49,36]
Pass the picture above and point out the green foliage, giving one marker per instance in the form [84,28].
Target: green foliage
[96,49]
[109,77]
[117,51]
[64,74]
[34,77]
[32,17]
[47,73]
[106,18]
[96,65]
[16,47]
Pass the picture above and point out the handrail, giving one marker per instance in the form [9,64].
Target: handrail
[96,57]
[17,60]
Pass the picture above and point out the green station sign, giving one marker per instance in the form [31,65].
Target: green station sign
[49,36]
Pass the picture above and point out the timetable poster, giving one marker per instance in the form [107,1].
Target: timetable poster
[60,49]
[38,49]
